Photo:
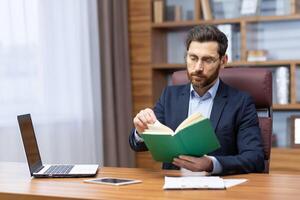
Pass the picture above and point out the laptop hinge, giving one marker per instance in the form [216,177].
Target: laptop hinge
[39,169]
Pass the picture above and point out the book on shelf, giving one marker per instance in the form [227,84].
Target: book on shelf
[158,11]
[178,13]
[284,8]
[293,7]
[227,30]
[182,12]
[206,9]
[257,55]
[232,34]
[282,85]
[170,13]
[195,136]
[190,15]
[225,9]
[249,7]
[297,5]
[174,48]
[197,13]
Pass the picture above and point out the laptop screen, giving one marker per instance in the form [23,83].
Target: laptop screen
[29,142]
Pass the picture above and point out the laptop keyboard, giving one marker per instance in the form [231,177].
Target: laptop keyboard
[59,169]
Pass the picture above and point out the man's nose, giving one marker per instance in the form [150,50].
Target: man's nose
[199,65]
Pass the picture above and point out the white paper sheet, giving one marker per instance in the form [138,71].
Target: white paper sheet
[201,182]
[186,172]
[233,182]
[194,183]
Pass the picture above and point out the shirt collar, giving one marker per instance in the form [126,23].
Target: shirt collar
[211,93]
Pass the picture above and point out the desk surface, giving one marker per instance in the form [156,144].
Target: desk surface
[16,183]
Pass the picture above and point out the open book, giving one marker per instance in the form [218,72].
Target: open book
[194,136]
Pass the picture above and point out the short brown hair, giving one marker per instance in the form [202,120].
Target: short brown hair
[208,33]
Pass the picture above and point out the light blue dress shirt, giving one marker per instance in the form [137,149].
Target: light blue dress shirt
[202,104]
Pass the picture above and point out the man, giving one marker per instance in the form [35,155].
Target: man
[231,112]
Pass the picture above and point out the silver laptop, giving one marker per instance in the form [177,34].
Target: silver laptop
[36,167]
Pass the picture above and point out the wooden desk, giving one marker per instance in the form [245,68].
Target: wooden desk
[15,183]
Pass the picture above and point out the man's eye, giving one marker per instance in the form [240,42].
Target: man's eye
[208,60]
[193,58]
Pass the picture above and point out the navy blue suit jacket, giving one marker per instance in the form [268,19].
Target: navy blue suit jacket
[234,119]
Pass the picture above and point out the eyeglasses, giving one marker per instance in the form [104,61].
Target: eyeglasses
[206,60]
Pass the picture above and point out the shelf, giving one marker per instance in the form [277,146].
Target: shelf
[271,18]
[263,63]
[270,63]
[252,19]
[283,107]
[185,24]
[168,66]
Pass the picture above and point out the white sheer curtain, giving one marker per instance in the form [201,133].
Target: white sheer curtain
[49,67]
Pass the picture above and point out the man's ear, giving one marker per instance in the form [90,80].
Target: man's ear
[224,60]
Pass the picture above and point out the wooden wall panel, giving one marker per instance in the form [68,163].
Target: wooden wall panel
[140,48]
[139,14]
[141,87]
[139,31]
[139,10]
[145,161]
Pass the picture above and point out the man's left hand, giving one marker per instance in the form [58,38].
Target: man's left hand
[194,164]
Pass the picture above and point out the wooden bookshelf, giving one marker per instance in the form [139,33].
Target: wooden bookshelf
[285,107]
[269,63]
[253,19]
[148,54]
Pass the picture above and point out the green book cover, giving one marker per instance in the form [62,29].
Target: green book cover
[194,138]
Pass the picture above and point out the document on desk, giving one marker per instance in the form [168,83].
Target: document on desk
[233,182]
[194,182]
[211,182]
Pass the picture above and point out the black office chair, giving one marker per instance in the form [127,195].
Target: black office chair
[258,83]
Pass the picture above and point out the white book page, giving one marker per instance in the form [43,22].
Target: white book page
[158,127]
[190,120]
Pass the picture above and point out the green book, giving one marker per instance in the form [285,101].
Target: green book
[194,137]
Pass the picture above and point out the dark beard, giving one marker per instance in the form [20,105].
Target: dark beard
[207,83]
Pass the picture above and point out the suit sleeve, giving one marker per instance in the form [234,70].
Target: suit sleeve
[250,157]
[159,113]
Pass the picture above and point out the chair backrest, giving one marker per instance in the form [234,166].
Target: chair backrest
[258,83]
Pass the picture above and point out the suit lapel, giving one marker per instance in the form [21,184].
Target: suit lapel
[218,105]
[183,104]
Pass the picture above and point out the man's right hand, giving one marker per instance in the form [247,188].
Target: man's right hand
[143,118]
